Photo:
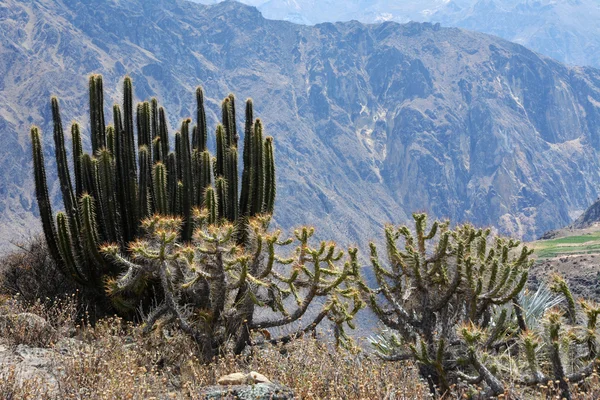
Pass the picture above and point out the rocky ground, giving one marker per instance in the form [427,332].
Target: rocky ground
[581,270]
[48,353]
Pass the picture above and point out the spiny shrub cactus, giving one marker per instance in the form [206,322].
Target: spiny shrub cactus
[214,288]
[439,281]
[453,301]
[128,177]
[564,349]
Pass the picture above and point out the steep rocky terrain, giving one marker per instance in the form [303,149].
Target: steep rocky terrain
[371,122]
[590,217]
[566,30]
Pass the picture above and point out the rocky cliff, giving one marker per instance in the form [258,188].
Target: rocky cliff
[567,30]
[371,122]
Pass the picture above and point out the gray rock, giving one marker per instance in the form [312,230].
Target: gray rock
[261,391]
[30,364]
[590,217]
[31,324]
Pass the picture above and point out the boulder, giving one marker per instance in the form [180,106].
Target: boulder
[238,378]
[28,326]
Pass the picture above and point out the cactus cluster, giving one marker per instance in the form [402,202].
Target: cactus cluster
[439,279]
[129,177]
[137,212]
[451,298]
[214,288]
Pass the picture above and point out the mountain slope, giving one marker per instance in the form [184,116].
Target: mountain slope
[370,122]
[565,30]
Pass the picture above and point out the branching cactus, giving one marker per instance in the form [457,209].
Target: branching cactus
[564,349]
[219,292]
[439,282]
[128,177]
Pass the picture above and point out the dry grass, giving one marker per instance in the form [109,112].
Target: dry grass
[114,360]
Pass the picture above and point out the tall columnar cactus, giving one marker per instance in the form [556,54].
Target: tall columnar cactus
[202,282]
[124,180]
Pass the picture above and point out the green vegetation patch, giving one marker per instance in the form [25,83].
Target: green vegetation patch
[569,245]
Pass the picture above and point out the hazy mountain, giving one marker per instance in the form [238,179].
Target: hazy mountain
[371,122]
[567,30]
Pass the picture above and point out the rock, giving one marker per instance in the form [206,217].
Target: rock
[261,391]
[27,363]
[27,326]
[258,378]
[238,378]
[233,379]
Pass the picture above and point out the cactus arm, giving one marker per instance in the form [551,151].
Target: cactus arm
[210,203]
[197,176]
[90,236]
[163,132]
[187,179]
[202,133]
[530,343]
[303,305]
[77,153]
[245,196]
[66,248]
[64,176]
[232,183]
[270,185]
[43,200]
[108,201]
[559,286]
[496,386]
[172,183]
[554,325]
[220,292]
[519,314]
[61,156]
[143,184]
[110,140]
[514,292]
[257,172]
[160,184]
[222,199]
[98,128]
[445,298]
[221,150]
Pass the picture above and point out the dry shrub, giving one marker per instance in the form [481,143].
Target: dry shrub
[116,360]
[31,273]
[13,388]
[113,359]
[37,324]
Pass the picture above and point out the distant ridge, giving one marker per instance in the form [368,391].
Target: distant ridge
[590,217]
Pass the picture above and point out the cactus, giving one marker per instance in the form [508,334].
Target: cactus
[452,299]
[202,281]
[440,280]
[571,337]
[116,186]
[43,199]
